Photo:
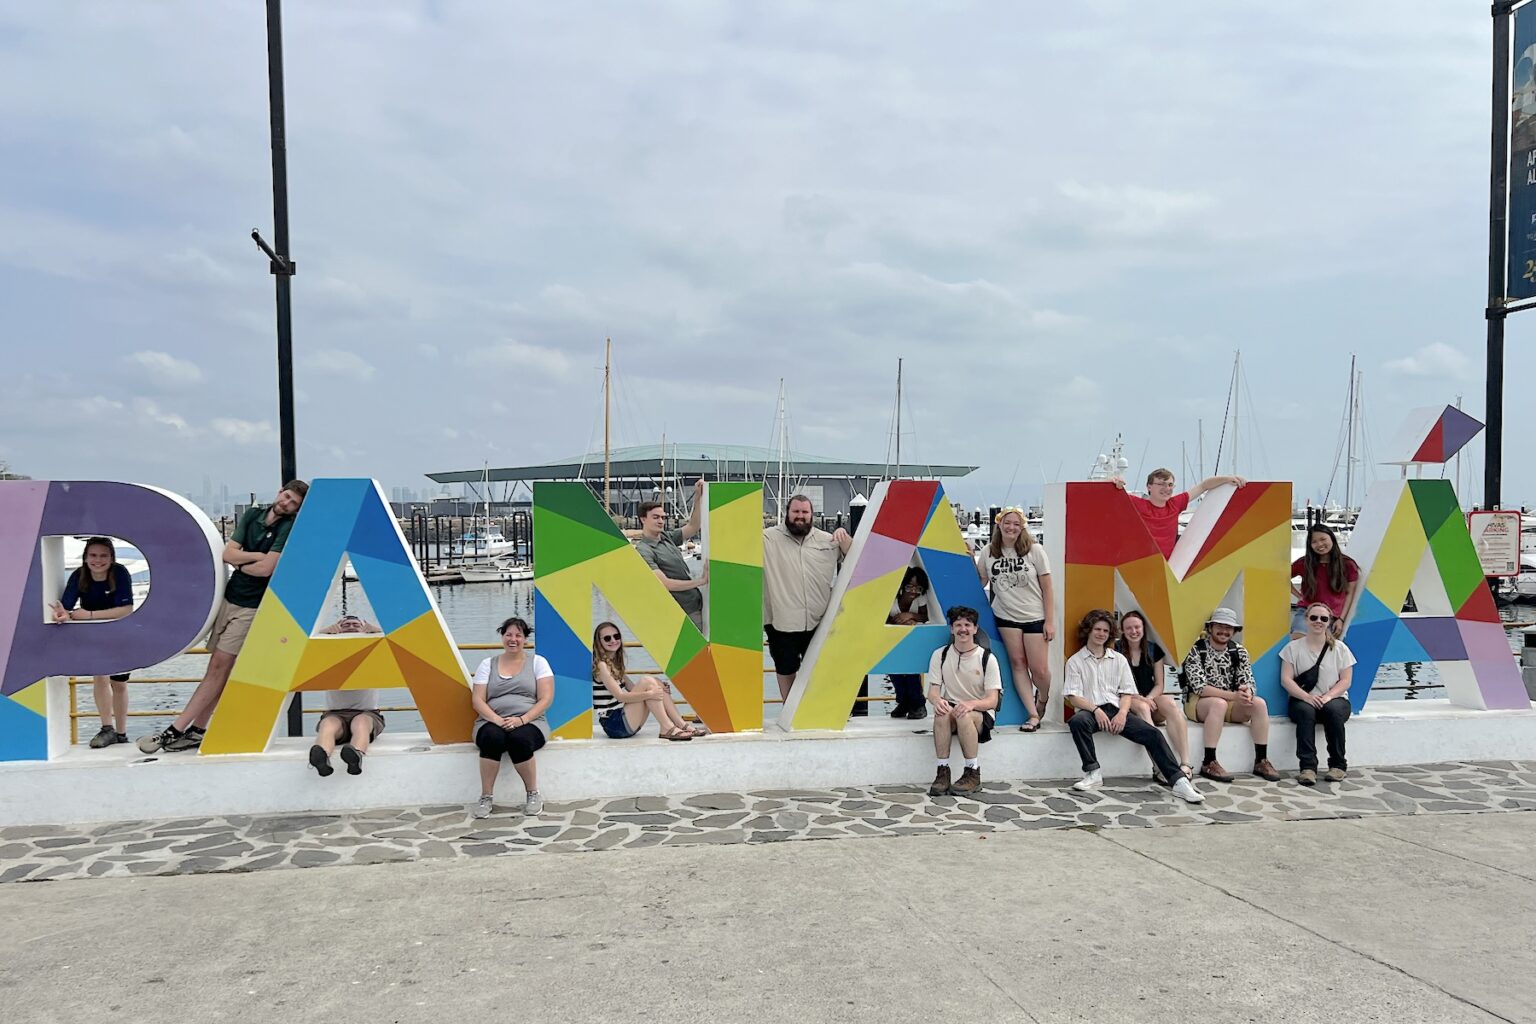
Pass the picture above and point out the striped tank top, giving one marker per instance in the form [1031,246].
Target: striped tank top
[602,700]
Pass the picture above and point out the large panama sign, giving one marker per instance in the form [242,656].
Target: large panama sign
[1411,542]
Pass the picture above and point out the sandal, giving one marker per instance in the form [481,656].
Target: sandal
[677,735]
[1033,725]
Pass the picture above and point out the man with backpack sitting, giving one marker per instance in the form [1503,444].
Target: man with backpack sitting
[964,687]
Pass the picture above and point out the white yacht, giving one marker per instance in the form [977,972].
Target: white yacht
[483,540]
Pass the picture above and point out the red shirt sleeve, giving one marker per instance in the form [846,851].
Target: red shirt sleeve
[1179,502]
[1351,569]
[1298,565]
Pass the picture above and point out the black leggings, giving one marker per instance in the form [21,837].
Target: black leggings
[518,744]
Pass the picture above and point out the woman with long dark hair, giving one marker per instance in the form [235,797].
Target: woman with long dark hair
[623,706]
[103,589]
[1015,567]
[1156,705]
[1327,575]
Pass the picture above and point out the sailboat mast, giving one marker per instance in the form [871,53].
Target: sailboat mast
[1349,440]
[783,440]
[1237,365]
[665,511]
[607,454]
[1200,445]
[898,418]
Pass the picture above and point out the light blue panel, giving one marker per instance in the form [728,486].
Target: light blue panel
[912,653]
[570,659]
[316,545]
[1402,645]
[1266,677]
[23,733]
[396,592]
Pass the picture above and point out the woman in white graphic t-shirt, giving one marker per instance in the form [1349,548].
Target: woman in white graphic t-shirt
[1015,567]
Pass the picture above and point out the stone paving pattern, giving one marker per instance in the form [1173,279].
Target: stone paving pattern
[246,843]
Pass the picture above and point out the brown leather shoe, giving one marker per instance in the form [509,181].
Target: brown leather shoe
[968,783]
[1266,771]
[1215,772]
[1335,774]
[940,785]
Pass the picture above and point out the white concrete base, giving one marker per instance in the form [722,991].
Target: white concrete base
[119,783]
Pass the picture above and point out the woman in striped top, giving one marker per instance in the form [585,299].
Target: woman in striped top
[623,706]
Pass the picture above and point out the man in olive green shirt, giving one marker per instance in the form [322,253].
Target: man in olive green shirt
[660,547]
[252,552]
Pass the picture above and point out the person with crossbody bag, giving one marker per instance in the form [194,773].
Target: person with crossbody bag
[1316,670]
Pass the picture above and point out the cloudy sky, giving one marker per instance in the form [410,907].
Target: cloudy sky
[1065,218]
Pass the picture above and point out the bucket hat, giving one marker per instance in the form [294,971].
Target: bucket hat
[1224,617]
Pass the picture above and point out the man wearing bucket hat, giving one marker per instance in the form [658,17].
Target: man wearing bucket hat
[1218,688]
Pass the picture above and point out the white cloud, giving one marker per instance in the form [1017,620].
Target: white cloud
[165,370]
[520,355]
[339,362]
[1436,359]
[148,410]
[243,431]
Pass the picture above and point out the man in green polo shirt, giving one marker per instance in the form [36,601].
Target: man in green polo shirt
[252,553]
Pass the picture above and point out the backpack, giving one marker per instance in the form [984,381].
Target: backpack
[987,717]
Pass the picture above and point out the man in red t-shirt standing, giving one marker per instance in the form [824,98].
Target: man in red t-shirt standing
[1161,507]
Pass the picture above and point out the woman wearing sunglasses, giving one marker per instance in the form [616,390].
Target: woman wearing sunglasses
[1023,600]
[623,706]
[1316,670]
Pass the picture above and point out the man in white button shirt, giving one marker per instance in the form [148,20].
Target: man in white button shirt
[964,687]
[1100,687]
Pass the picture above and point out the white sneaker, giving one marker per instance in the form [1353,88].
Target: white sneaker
[1093,780]
[1186,791]
[534,804]
[482,807]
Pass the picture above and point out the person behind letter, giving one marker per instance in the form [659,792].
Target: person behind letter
[1024,602]
[351,716]
[1327,575]
[1161,507]
[1157,705]
[623,706]
[1316,671]
[799,567]
[1099,686]
[1218,688]
[511,692]
[252,550]
[659,547]
[965,689]
[104,590]
[912,607]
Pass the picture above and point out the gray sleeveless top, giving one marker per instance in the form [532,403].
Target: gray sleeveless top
[513,695]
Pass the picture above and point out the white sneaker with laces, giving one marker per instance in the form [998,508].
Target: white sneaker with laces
[482,807]
[1186,791]
[1093,780]
[534,804]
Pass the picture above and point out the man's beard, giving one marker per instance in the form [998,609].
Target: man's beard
[799,529]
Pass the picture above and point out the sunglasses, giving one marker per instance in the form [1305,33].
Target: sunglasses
[609,638]
[1319,618]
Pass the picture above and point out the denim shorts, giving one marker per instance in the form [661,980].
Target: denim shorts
[614,724]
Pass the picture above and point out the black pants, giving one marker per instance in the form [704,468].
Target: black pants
[861,707]
[1332,717]
[909,693]
[518,744]
[1137,729]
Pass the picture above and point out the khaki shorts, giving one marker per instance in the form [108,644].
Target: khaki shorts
[346,715]
[1190,712]
[230,626]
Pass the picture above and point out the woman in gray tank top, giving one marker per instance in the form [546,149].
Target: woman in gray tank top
[510,693]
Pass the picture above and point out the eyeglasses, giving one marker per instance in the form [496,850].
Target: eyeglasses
[1319,618]
[610,638]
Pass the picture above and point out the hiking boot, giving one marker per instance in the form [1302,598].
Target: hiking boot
[320,761]
[1092,780]
[940,785]
[1186,791]
[968,783]
[1307,777]
[354,760]
[1336,774]
[1266,771]
[534,803]
[106,737]
[482,808]
[156,741]
[918,713]
[189,740]
[1215,772]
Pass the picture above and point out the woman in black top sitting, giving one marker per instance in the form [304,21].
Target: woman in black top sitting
[103,589]
[1156,706]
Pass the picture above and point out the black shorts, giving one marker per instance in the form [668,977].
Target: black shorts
[1033,626]
[787,649]
[120,678]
